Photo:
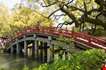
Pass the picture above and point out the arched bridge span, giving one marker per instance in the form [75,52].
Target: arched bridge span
[39,39]
[46,33]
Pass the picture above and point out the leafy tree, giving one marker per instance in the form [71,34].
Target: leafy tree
[84,13]
[4,17]
[21,18]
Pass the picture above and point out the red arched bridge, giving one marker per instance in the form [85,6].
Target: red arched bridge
[45,37]
[81,38]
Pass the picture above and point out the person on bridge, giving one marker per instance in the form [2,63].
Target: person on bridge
[104,65]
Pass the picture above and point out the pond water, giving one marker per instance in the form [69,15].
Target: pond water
[13,62]
[10,62]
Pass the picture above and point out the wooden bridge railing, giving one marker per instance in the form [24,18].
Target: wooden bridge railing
[77,36]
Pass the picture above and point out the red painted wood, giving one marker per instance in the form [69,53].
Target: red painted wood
[78,36]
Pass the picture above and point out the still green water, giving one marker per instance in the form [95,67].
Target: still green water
[9,62]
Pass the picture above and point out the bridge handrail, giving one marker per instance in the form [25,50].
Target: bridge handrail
[91,39]
[88,39]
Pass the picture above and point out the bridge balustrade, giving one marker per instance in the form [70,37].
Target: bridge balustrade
[77,36]
[66,33]
[98,42]
[92,41]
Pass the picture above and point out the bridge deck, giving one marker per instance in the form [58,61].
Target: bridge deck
[79,37]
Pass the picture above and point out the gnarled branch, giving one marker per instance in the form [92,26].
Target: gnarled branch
[48,4]
[53,13]
[64,23]
[69,2]
[58,16]
[77,8]
[67,12]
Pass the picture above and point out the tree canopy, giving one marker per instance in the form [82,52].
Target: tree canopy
[85,14]
[19,19]
[80,12]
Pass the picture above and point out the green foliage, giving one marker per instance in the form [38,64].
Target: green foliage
[87,60]
[62,45]
[20,18]
[4,27]
[25,68]
[43,67]
[62,41]
[29,0]
[100,32]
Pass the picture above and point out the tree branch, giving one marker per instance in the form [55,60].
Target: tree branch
[47,5]
[95,21]
[77,8]
[64,23]
[69,2]
[70,15]
[53,13]
[58,16]
[85,7]
[93,10]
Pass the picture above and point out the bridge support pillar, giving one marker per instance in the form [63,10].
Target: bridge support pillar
[45,52]
[25,48]
[33,49]
[66,55]
[11,50]
[17,48]
[52,53]
[41,51]
[37,49]
[49,45]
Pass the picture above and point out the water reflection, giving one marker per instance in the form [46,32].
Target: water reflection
[9,62]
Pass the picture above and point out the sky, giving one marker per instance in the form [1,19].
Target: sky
[9,3]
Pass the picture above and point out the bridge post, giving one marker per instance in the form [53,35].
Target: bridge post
[37,49]
[11,50]
[17,47]
[41,51]
[49,57]
[52,52]
[34,46]
[45,52]
[25,47]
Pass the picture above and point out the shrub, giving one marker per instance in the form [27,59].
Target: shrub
[86,60]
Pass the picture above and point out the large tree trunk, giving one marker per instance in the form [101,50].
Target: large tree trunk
[68,13]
